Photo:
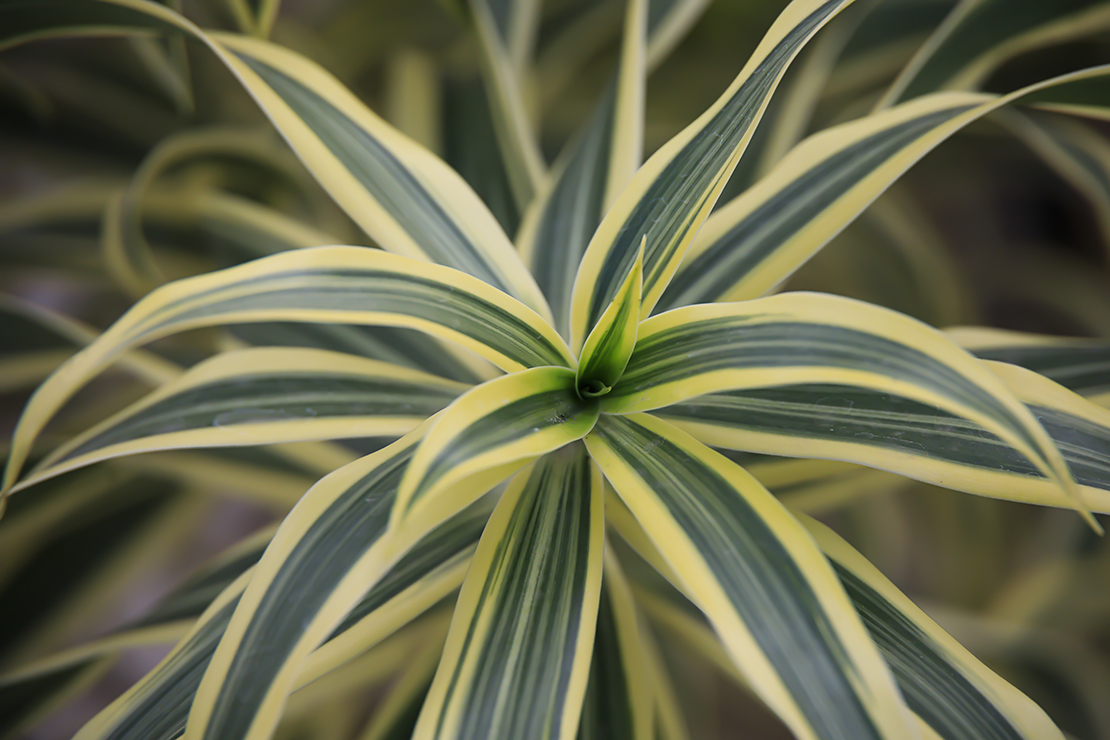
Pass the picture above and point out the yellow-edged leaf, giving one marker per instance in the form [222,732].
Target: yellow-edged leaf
[814,339]
[758,577]
[518,652]
[672,194]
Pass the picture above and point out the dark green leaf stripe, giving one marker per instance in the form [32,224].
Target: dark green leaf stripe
[308,575]
[666,212]
[606,711]
[404,347]
[160,707]
[367,290]
[448,544]
[988,25]
[533,577]
[514,421]
[573,210]
[168,691]
[759,576]
[933,688]
[698,348]
[866,418]
[383,176]
[272,398]
[759,233]
[1081,367]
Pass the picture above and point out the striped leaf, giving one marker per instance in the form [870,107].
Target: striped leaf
[981,34]
[401,195]
[262,396]
[404,347]
[758,577]
[591,172]
[518,651]
[809,338]
[328,284]
[945,686]
[1080,365]
[519,148]
[489,433]
[943,683]
[406,199]
[158,706]
[606,351]
[671,195]
[619,700]
[877,429]
[756,241]
[326,554]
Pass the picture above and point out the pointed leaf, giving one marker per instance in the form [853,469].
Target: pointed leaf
[672,194]
[262,396]
[810,338]
[606,351]
[518,651]
[489,433]
[759,578]
[327,284]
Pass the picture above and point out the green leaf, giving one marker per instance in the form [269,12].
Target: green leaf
[519,149]
[755,242]
[815,339]
[518,651]
[406,199]
[606,351]
[1080,365]
[619,701]
[913,439]
[672,194]
[943,683]
[591,172]
[489,433]
[759,578]
[157,707]
[262,396]
[327,284]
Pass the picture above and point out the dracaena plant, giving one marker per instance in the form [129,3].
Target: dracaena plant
[571,453]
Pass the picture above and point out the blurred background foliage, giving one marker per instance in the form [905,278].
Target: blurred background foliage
[106,142]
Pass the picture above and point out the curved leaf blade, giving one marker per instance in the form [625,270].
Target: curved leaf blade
[518,651]
[258,397]
[1080,365]
[606,351]
[672,194]
[755,242]
[405,198]
[980,34]
[912,439]
[489,433]
[943,683]
[810,338]
[592,171]
[326,284]
[757,576]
